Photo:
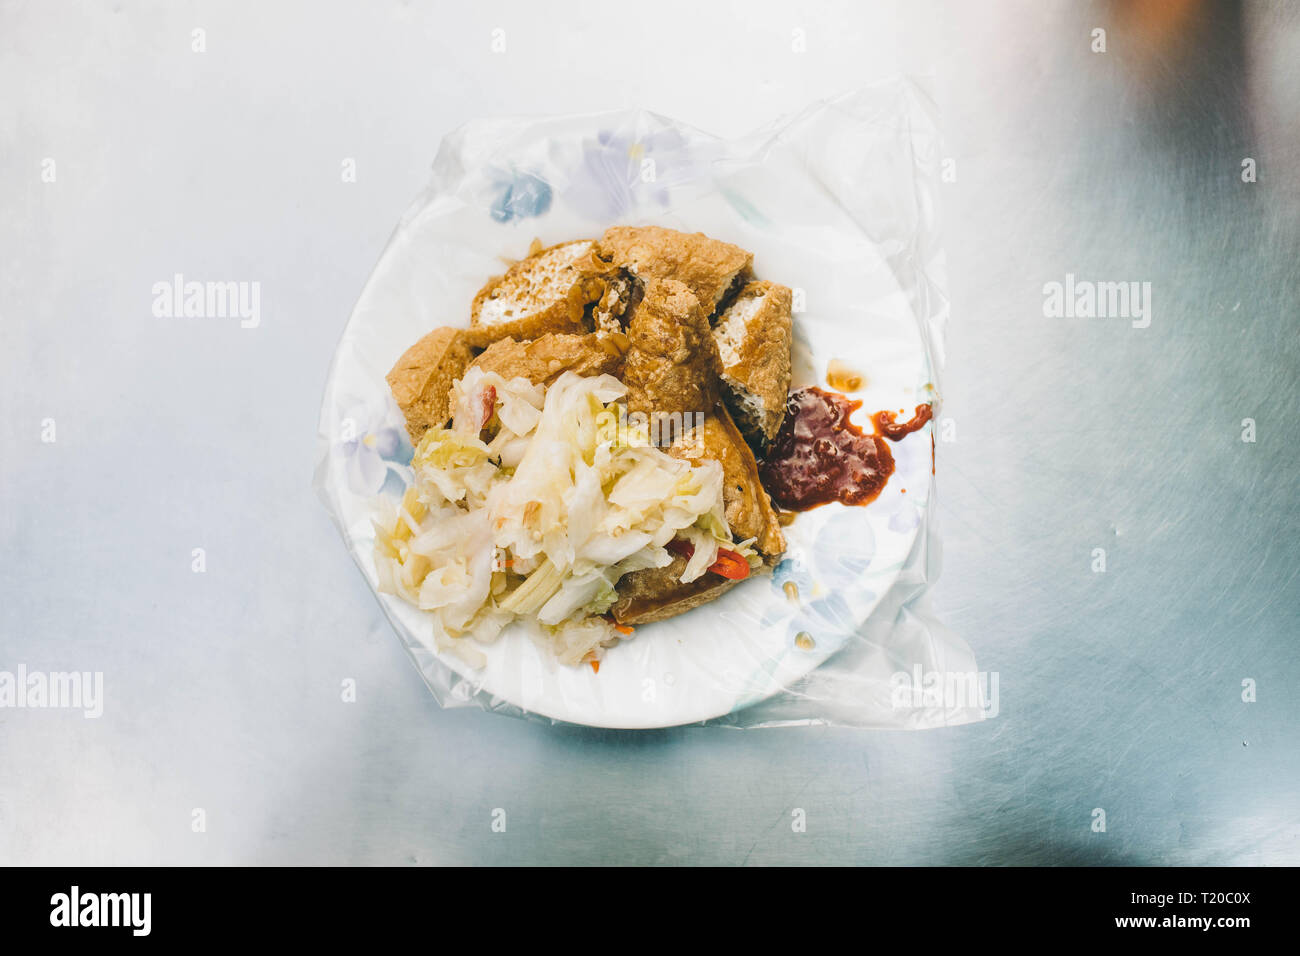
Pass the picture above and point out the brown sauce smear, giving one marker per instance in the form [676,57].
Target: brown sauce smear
[842,377]
[897,431]
[820,456]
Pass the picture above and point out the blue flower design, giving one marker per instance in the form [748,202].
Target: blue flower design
[609,183]
[519,195]
[827,622]
[904,519]
[792,569]
[375,451]
[843,550]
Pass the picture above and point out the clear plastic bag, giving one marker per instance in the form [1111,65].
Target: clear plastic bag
[837,203]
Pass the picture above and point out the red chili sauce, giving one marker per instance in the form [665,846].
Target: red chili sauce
[897,431]
[820,456]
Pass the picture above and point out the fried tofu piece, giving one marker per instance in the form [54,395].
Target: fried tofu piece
[753,337]
[549,291]
[708,267]
[622,292]
[748,508]
[671,367]
[544,360]
[654,594]
[671,362]
[421,379]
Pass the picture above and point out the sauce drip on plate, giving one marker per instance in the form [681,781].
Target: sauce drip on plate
[897,431]
[842,377]
[820,456]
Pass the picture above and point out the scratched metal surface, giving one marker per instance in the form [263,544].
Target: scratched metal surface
[1119,690]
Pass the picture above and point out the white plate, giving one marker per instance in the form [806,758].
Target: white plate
[496,188]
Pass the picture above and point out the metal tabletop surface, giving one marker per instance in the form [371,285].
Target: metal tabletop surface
[1161,690]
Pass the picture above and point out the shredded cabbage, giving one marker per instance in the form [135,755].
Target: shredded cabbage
[533,505]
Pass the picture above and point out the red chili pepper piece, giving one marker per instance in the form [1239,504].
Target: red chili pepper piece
[729,564]
[487,405]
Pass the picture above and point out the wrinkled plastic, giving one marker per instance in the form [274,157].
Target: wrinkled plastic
[839,204]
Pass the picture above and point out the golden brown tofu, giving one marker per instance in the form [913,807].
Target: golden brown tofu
[544,360]
[657,593]
[671,360]
[671,367]
[421,379]
[753,337]
[749,509]
[708,267]
[550,291]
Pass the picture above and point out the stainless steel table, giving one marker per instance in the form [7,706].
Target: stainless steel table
[218,154]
